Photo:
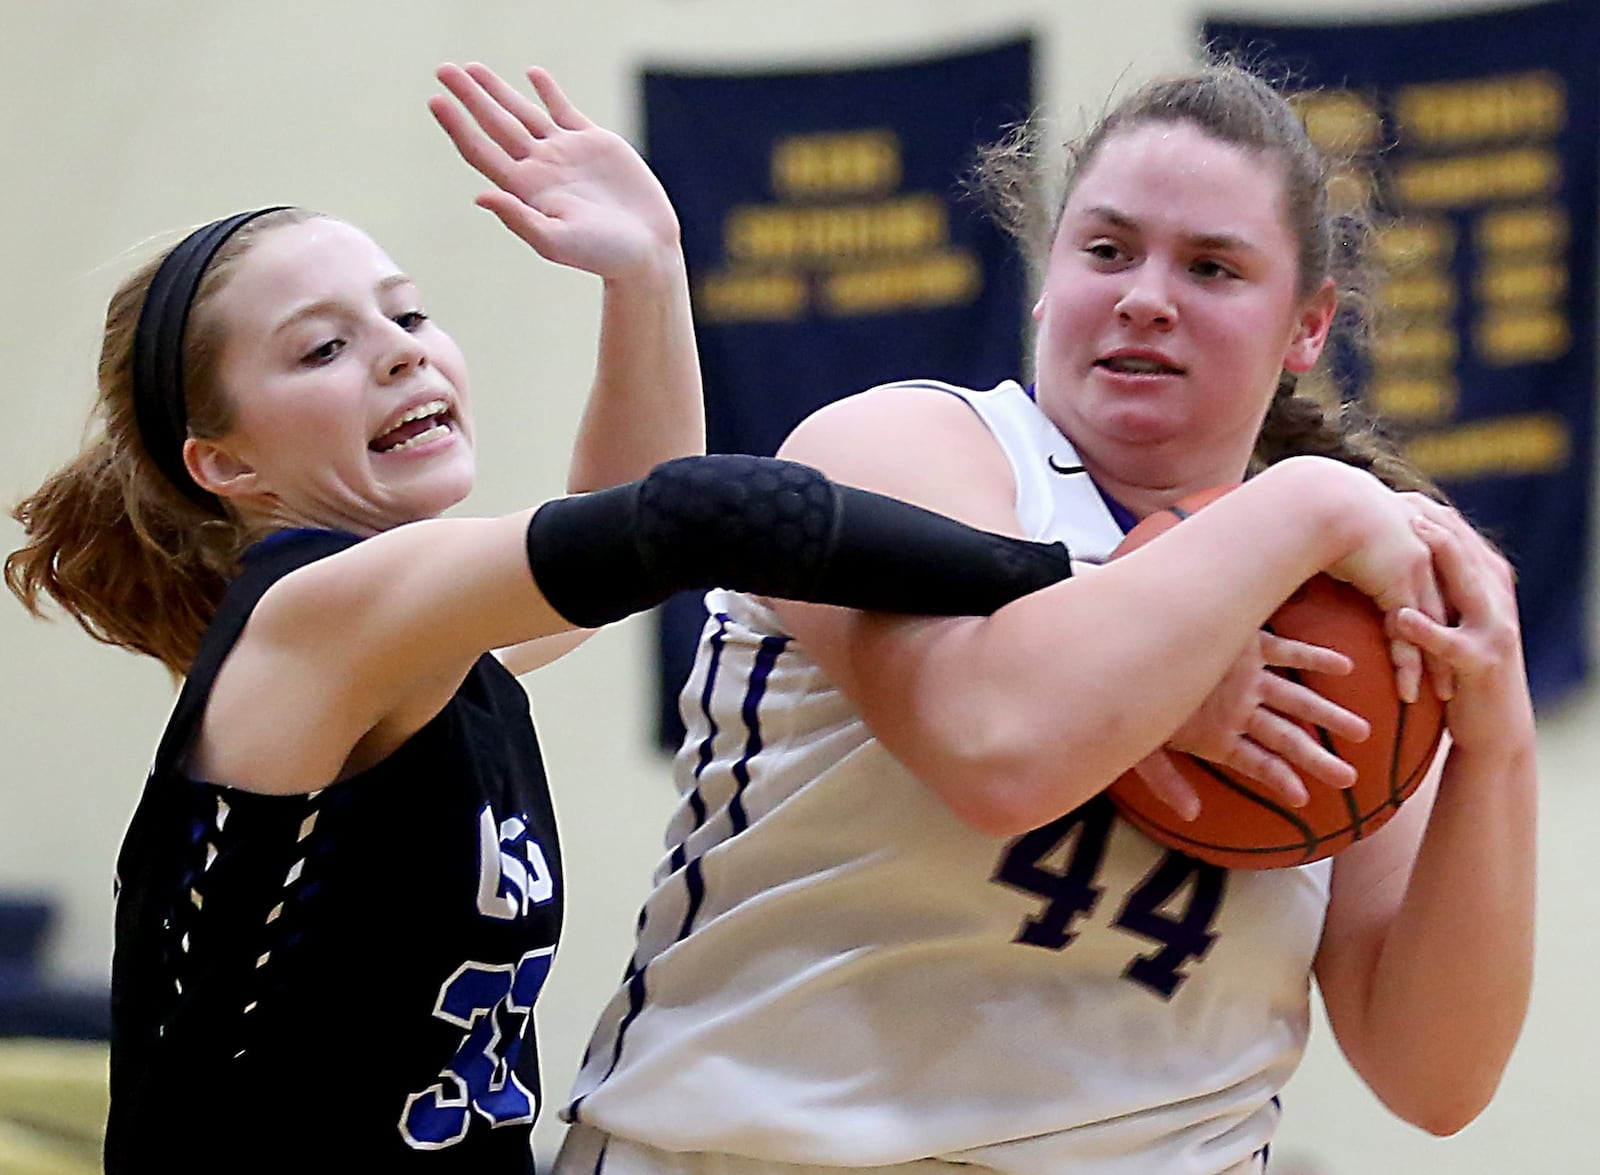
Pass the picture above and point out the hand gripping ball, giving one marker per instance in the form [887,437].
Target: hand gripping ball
[1242,826]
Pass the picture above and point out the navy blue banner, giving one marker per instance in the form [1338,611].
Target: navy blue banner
[831,246]
[1480,135]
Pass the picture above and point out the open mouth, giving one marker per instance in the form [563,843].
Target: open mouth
[1137,365]
[416,426]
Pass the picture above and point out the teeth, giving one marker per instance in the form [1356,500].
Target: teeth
[431,434]
[420,412]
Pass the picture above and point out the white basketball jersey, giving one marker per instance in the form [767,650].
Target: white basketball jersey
[833,970]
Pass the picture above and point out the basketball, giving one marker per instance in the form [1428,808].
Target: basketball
[1242,826]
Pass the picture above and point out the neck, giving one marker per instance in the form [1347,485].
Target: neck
[1147,485]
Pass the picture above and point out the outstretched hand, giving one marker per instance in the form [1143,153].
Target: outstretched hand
[576,192]
[1251,723]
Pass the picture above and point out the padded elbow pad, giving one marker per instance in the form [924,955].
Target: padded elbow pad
[775,528]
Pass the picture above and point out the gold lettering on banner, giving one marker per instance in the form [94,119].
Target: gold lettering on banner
[1535,281]
[1475,260]
[1339,121]
[1431,343]
[1406,244]
[838,240]
[1541,228]
[832,232]
[850,163]
[1510,107]
[1522,336]
[1432,293]
[1477,179]
[1413,398]
[752,296]
[1534,443]
[937,280]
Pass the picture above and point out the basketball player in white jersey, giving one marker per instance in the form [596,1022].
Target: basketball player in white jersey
[899,926]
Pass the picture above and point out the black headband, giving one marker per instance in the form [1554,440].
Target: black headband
[158,401]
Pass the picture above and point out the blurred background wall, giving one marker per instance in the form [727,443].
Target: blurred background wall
[127,123]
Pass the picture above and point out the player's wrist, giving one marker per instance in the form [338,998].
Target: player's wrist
[1333,506]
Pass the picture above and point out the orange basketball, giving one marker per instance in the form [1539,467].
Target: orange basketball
[1243,827]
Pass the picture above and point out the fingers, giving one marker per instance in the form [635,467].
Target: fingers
[1254,760]
[529,117]
[524,220]
[1168,785]
[1481,595]
[486,156]
[565,114]
[1408,668]
[1299,702]
[493,124]
[1288,653]
[1282,752]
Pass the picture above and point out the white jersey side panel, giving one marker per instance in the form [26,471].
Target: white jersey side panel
[832,970]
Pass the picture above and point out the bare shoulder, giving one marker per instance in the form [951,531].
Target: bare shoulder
[916,442]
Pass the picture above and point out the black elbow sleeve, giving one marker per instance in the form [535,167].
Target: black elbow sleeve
[776,528]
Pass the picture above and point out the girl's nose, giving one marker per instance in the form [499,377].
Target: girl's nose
[402,354]
[1147,302]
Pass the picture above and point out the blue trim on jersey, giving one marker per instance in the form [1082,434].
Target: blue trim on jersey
[693,878]
[694,881]
[1120,514]
[772,648]
[636,993]
[697,802]
[277,537]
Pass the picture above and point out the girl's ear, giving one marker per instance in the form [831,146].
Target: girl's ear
[217,469]
[1311,329]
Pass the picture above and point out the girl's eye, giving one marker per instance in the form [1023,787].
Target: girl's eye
[1210,268]
[1102,250]
[322,353]
[411,319]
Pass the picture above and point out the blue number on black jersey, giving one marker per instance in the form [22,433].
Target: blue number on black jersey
[492,1003]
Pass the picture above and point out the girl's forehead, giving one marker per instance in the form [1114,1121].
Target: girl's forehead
[320,260]
[1175,158]
[311,248]
[1174,173]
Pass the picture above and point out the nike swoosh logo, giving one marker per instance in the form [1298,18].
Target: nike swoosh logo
[1064,468]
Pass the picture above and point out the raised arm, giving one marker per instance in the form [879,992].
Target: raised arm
[1018,718]
[582,197]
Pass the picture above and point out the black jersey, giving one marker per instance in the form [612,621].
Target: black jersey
[340,981]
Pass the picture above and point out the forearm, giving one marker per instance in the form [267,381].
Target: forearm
[1019,718]
[1451,985]
[645,406]
[776,528]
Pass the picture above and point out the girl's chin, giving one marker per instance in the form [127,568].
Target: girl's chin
[430,497]
[1136,427]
